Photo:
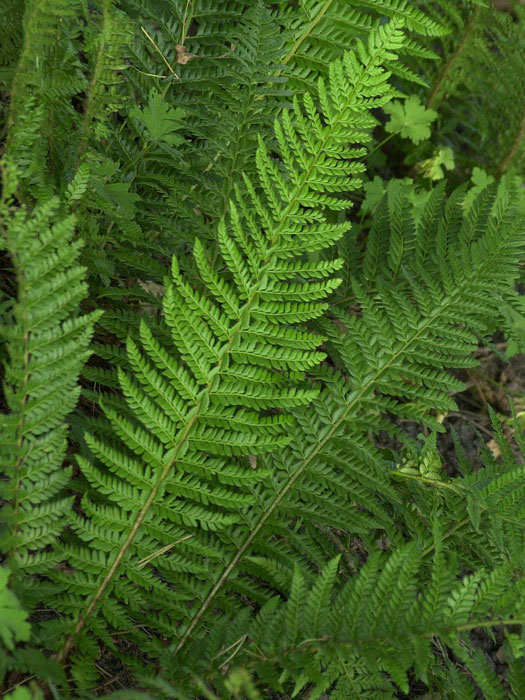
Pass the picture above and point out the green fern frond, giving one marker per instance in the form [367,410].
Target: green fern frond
[195,411]
[41,26]
[389,631]
[321,31]
[253,498]
[11,18]
[483,510]
[330,474]
[226,88]
[107,47]
[47,344]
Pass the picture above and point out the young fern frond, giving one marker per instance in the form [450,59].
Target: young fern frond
[194,407]
[47,343]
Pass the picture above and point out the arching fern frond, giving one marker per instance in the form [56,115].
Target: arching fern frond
[331,474]
[192,408]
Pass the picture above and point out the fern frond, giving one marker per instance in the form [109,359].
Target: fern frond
[196,404]
[47,344]
[479,83]
[321,32]
[228,94]
[364,641]
[41,23]
[330,474]
[483,509]
[11,19]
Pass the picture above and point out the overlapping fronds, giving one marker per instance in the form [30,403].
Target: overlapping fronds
[11,38]
[331,478]
[222,83]
[482,510]
[321,31]
[378,634]
[253,498]
[44,24]
[64,92]
[413,319]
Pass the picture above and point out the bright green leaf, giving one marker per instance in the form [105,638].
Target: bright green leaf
[410,119]
[161,120]
[434,168]
[480,180]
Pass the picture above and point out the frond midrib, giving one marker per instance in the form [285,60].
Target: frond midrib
[19,430]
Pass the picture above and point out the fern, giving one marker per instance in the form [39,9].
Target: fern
[224,129]
[320,32]
[474,84]
[187,418]
[400,619]
[11,23]
[46,345]
[483,511]
[14,626]
[72,99]
[331,476]
[250,498]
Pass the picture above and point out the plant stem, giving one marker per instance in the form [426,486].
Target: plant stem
[507,160]
[438,83]
[380,145]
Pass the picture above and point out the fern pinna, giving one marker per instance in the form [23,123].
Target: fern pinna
[193,408]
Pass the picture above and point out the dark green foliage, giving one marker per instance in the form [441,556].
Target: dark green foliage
[236,491]
[478,87]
